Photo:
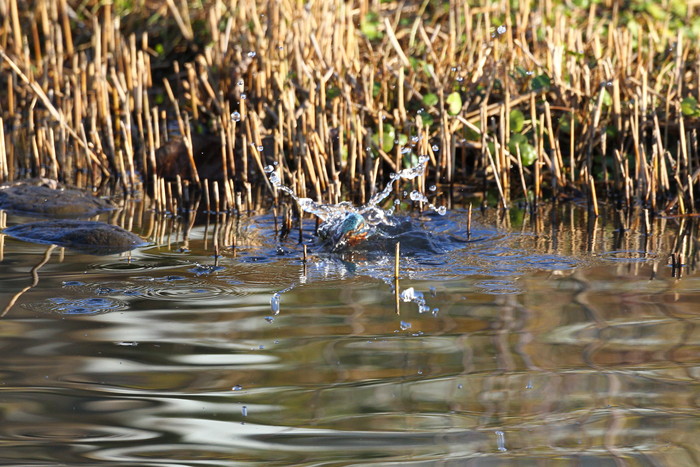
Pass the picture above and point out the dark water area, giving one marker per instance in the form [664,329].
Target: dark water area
[549,340]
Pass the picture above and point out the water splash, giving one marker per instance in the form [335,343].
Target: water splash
[347,225]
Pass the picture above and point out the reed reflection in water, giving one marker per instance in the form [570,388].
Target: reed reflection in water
[549,337]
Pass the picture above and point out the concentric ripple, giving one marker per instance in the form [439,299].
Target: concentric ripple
[77,306]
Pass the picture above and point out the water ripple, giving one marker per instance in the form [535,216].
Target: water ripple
[77,306]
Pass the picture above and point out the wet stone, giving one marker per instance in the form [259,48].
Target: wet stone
[48,198]
[91,237]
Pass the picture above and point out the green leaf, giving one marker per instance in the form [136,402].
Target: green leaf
[430,99]
[410,159]
[388,136]
[427,119]
[332,92]
[540,82]
[454,103]
[565,123]
[527,151]
[369,26]
[689,107]
[472,135]
[517,121]
[403,139]
[607,98]
[655,10]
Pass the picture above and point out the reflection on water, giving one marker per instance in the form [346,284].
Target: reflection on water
[542,338]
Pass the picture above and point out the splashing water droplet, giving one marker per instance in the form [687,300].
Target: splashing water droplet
[240,83]
[275,303]
[501,29]
[442,210]
[244,411]
[252,54]
[244,96]
[435,148]
[260,148]
[269,169]
[418,196]
[405,325]
[236,116]
[432,188]
[237,387]
[423,159]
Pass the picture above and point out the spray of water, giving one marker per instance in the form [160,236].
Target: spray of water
[372,214]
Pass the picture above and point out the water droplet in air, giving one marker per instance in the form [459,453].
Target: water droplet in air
[244,411]
[423,159]
[405,325]
[436,148]
[244,96]
[418,196]
[237,387]
[432,188]
[252,54]
[269,169]
[442,210]
[260,148]
[501,441]
[235,116]
[501,29]
[415,139]
[275,303]
[240,82]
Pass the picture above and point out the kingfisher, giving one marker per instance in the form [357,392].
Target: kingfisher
[353,230]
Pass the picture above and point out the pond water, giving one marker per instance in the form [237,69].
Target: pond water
[536,338]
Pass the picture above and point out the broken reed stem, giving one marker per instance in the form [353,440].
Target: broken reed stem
[397,254]
[469,221]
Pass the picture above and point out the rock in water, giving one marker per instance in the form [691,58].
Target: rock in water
[48,198]
[91,237]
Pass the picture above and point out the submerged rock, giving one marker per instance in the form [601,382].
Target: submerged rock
[48,198]
[86,236]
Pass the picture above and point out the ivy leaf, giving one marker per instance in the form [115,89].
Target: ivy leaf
[527,150]
[430,99]
[370,26]
[388,136]
[540,82]
[517,121]
[689,107]
[454,103]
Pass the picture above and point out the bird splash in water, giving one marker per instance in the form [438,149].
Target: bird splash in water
[344,225]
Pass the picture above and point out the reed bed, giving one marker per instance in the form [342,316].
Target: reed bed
[557,100]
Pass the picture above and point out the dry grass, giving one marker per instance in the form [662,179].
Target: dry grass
[595,101]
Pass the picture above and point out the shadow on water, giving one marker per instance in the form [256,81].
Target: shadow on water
[538,337]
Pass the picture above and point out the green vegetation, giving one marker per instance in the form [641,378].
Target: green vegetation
[536,99]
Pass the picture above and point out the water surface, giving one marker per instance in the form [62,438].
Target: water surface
[548,338]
